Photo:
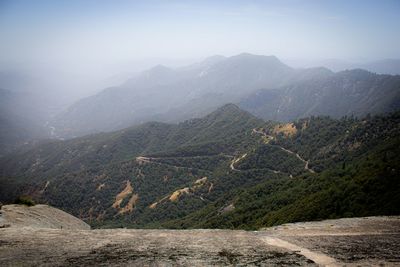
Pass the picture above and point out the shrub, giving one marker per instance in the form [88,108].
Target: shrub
[25,200]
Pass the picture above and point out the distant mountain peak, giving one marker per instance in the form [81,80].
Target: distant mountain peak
[355,73]
[231,111]
[214,59]
[208,62]
[248,55]
[159,72]
[159,68]
[229,107]
[267,61]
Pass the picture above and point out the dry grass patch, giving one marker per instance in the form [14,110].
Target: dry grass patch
[122,195]
[131,204]
[288,129]
[175,196]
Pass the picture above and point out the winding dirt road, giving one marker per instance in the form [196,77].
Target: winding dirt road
[236,160]
[306,162]
[269,137]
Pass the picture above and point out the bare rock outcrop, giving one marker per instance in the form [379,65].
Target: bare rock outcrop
[39,216]
[36,238]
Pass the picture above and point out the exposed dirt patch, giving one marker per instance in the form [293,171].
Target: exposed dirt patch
[228,208]
[288,129]
[154,205]
[100,186]
[175,195]
[199,183]
[122,195]
[129,207]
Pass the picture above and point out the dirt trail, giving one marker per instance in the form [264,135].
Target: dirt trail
[146,160]
[317,257]
[366,241]
[142,159]
[269,137]
[259,132]
[236,160]
[306,162]
[263,134]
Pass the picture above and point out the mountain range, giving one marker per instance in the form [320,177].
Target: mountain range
[347,93]
[384,66]
[262,85]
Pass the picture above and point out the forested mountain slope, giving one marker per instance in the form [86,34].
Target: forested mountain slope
[354,167]
[346,93]
[228,169]
[78,173]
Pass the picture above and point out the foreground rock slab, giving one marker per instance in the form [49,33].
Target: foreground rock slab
[368,241]
[39,216]
[352,242]
[141,248]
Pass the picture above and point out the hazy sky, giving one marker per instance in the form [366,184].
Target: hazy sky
[80,31]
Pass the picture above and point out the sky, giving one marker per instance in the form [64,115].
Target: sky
[116,31]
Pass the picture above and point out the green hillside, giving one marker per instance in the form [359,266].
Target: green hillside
[358,176]
[226,170]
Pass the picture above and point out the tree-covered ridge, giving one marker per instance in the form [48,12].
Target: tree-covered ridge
[224,129]
[85,175]
[351,92]
[226,170]
[358,176]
